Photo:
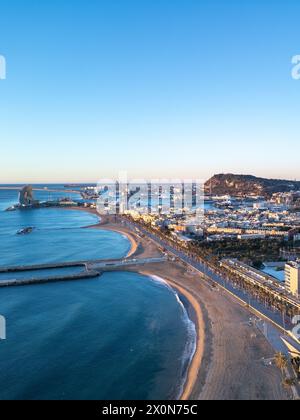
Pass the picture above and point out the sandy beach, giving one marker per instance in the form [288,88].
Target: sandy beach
[144,248]
[228,362]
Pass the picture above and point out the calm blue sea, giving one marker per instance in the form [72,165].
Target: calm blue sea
[120,336]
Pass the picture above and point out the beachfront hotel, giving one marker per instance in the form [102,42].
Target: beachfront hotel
[292,277]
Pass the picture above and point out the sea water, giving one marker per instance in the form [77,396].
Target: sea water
[120,336]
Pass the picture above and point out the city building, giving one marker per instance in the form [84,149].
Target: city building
[261,281]
[261,205]
[292,277]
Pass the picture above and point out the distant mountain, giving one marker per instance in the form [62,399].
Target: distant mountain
[241,185]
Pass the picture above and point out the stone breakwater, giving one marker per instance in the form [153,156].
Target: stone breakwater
[42,274]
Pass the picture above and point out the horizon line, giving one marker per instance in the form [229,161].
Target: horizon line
[43,182]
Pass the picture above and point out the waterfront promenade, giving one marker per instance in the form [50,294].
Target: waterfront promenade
[212,276]
[231,352]
[273,322]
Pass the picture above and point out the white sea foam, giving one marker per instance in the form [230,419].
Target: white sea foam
[191,344]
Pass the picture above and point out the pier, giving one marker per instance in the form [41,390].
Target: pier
[90,269]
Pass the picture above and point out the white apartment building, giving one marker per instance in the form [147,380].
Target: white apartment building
[292,278]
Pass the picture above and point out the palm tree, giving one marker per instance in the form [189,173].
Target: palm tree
[281,362]
[288,383]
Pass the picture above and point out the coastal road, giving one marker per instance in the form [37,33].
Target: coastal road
[278,319]
[269,323]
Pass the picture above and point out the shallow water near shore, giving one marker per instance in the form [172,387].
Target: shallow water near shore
[121,336]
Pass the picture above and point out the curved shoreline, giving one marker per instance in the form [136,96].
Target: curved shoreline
[133,242]
[195,365]
[102,225]
[196,362]
[225,364]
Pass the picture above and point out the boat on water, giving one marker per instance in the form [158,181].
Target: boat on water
[12,208]
[25,231]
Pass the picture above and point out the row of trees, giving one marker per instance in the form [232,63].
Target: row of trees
[209,258]
[250,251]
[212,261]
[282,362]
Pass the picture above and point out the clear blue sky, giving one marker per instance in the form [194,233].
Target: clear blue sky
[155,87]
